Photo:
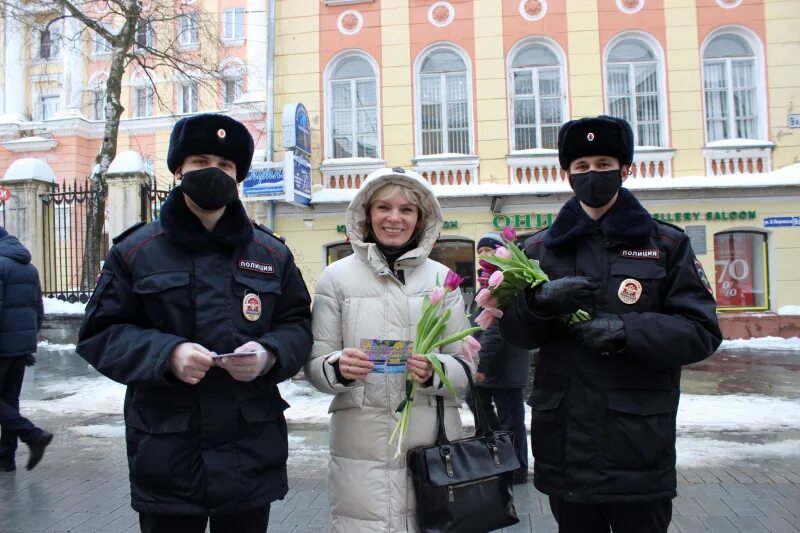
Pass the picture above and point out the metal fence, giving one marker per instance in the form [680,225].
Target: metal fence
[64,227]
[152,198]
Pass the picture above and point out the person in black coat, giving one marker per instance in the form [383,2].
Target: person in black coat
[206,434]
[502,373]
[21,314]
[605,393]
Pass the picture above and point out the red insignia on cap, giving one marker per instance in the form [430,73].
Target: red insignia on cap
[221,133]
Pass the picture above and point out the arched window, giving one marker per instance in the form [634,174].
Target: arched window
[444,103]
[632,89]
[537,97]
[353,108]
[730,88]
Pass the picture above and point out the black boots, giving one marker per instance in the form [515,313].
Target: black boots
[37,446]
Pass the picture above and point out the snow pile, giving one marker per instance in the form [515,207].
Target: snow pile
[789,310]
[49,346]
[737,412]
[81,396]
[763,344]
[100,431]
[697,452]
[54,306]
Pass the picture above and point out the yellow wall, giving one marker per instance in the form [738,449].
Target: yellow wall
[783,77]
[396,99]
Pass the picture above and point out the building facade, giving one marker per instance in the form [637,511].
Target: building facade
[471,94]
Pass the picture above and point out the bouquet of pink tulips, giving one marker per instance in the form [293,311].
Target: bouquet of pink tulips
[429,331]
[511,271]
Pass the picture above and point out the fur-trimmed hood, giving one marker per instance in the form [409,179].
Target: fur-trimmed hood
[357,214]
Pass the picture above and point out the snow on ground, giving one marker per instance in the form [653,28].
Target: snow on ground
[789,310]
[697,452]
[737,412]
[763,344]
[83,396]
[49,346]
[54,306]
[100,431]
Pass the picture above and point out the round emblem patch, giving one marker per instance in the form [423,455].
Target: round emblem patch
[590,137]
[630,291]
[251,307]
[221,133]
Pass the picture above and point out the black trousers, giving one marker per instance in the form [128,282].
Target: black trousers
[254,521]
[509,416]
[645,517]
[14,425]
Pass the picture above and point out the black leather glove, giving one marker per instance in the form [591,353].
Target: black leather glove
[562,296]
[604,334]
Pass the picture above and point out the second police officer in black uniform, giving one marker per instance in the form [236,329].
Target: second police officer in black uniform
[606,391]
[206,436]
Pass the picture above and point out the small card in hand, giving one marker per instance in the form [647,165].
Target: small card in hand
[389,356]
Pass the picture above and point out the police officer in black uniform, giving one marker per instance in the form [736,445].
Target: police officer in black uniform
[606,390]
[206,435]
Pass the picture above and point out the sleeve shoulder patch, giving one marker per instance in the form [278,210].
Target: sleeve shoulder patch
[702,275]
[121,237]
[269,232]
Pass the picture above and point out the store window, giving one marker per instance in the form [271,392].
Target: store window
[537,97]
[456,253]
[632,88]
[740,261]
[353,103]
[444,108]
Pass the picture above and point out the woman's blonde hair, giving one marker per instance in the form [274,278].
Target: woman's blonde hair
[410,194]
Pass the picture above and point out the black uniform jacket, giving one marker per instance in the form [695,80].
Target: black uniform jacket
[505,366]
[603,426]
[220,446]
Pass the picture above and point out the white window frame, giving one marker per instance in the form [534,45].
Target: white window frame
[759,76]
[194,102]
[229,17]
[562,64]
[189,30]
[442,45]
[238,90]
[333,64]
[45,111]
[100,46]
[55,42]
[655,47]
[149,99]
[149,34]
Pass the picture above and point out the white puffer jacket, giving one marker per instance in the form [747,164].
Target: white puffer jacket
[359,297]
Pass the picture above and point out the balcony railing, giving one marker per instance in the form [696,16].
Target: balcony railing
[738,156]
[348,173]
[542,166]
[448,169]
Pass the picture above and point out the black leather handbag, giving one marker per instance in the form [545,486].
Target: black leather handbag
[465,485]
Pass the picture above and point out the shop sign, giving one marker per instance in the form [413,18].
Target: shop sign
[297,168]
[296,128]
[524,220]
[781,222]
[450,224]
[693,216]
[697,237]
[5,194]
[264,182]
[793,120]
[341,228]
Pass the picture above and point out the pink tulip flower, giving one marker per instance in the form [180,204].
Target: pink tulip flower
[436,295]
[487,316]
[502,252]
[452,281]
[470,348]
[486,265]
[508,234]
[485,299]
[496,279]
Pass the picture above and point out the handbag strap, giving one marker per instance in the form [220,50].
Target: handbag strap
[481,420]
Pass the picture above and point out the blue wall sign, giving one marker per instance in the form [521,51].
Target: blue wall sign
[264,182]
[299,180]
[781,222]
[296,128]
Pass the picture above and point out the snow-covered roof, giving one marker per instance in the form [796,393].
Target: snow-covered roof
[127,162]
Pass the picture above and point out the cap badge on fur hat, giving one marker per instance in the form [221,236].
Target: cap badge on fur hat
[221,133]
[590,137]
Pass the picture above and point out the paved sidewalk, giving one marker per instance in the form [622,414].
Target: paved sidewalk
[82,486]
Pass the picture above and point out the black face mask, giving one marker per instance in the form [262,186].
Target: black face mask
[210,188]
[595,188]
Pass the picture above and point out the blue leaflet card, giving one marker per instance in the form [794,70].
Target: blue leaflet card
[389,356]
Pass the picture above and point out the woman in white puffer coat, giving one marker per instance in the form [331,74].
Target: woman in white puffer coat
[377,293]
